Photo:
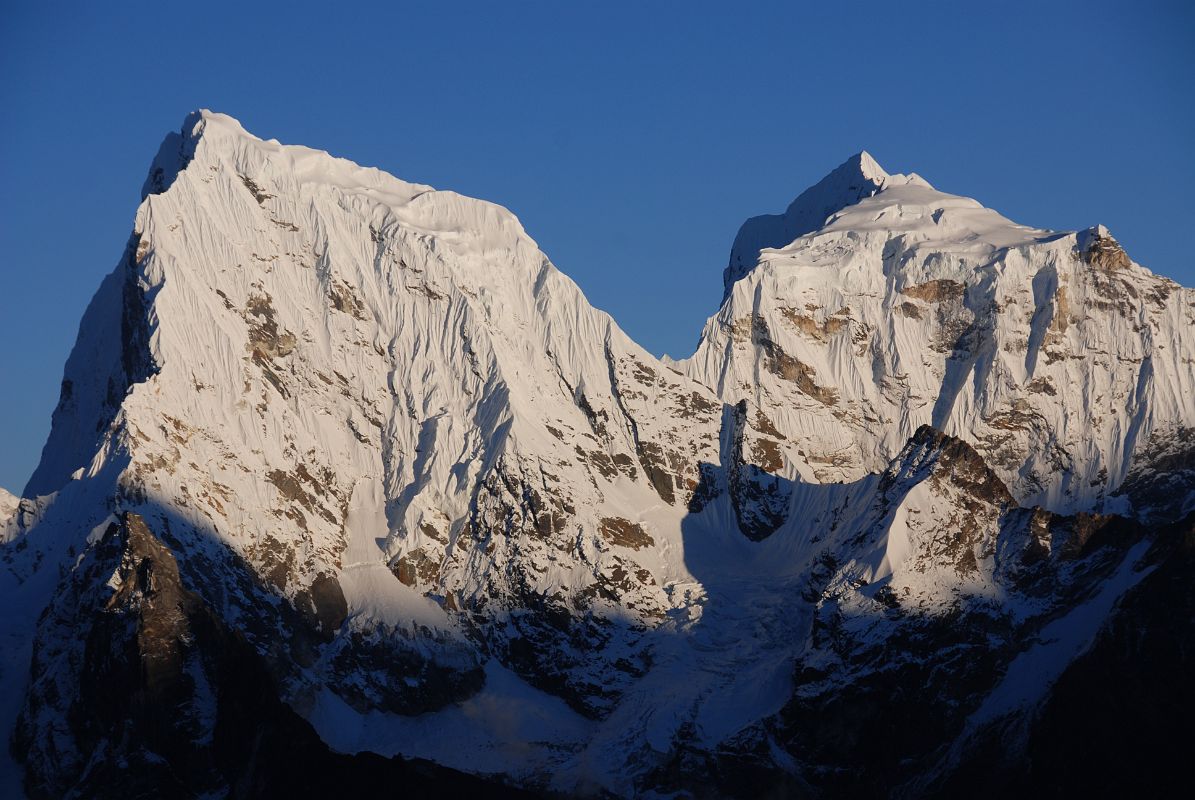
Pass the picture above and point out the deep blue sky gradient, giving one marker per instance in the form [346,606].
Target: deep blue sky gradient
[630,138]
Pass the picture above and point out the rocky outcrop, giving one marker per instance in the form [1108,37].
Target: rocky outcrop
[1115,720]
[160,698]
[1161,480]
[759,495]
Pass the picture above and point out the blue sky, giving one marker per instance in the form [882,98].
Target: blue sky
[630,138]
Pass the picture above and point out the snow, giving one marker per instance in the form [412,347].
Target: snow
[852,181]
[354,376]
[98,531]
[372,591]
[508,727]
[917,306]
[897,546]
[8,505]
[1031,674]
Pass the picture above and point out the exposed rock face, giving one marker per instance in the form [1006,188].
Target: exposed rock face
[1115,721]
[759,496]
[1161,481]
[344,461]
[953,633]
[1100,251]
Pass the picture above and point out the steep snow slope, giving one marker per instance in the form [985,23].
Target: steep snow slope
[1064,363]
[388,405]
[457,514]
[8,504]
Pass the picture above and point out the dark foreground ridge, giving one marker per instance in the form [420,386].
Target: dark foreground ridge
[171,703]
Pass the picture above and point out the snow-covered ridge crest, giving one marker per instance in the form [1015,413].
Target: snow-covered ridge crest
[204,128]
[857,178]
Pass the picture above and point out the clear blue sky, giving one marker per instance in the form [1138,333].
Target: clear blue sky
[630,138]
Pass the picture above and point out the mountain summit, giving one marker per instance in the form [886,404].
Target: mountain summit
[349,486]
[853,180]
[1064,363]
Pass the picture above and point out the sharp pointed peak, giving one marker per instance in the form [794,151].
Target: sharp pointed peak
[855,179]
[178,148]
[864,165]
[862,169]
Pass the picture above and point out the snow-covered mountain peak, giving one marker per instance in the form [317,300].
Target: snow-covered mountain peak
[452,512]
[863,166]
[204,120]
[855,179]
[216,140]
[1052,353]
[866,166]
[398,372]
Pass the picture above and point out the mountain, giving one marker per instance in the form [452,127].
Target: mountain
[1065,364]
[344,467]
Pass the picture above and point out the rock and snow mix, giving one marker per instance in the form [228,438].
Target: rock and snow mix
[459,515]
[1052,353]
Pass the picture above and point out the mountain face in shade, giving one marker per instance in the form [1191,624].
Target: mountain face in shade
[355,448]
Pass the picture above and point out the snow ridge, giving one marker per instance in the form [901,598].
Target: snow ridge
[857,178]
